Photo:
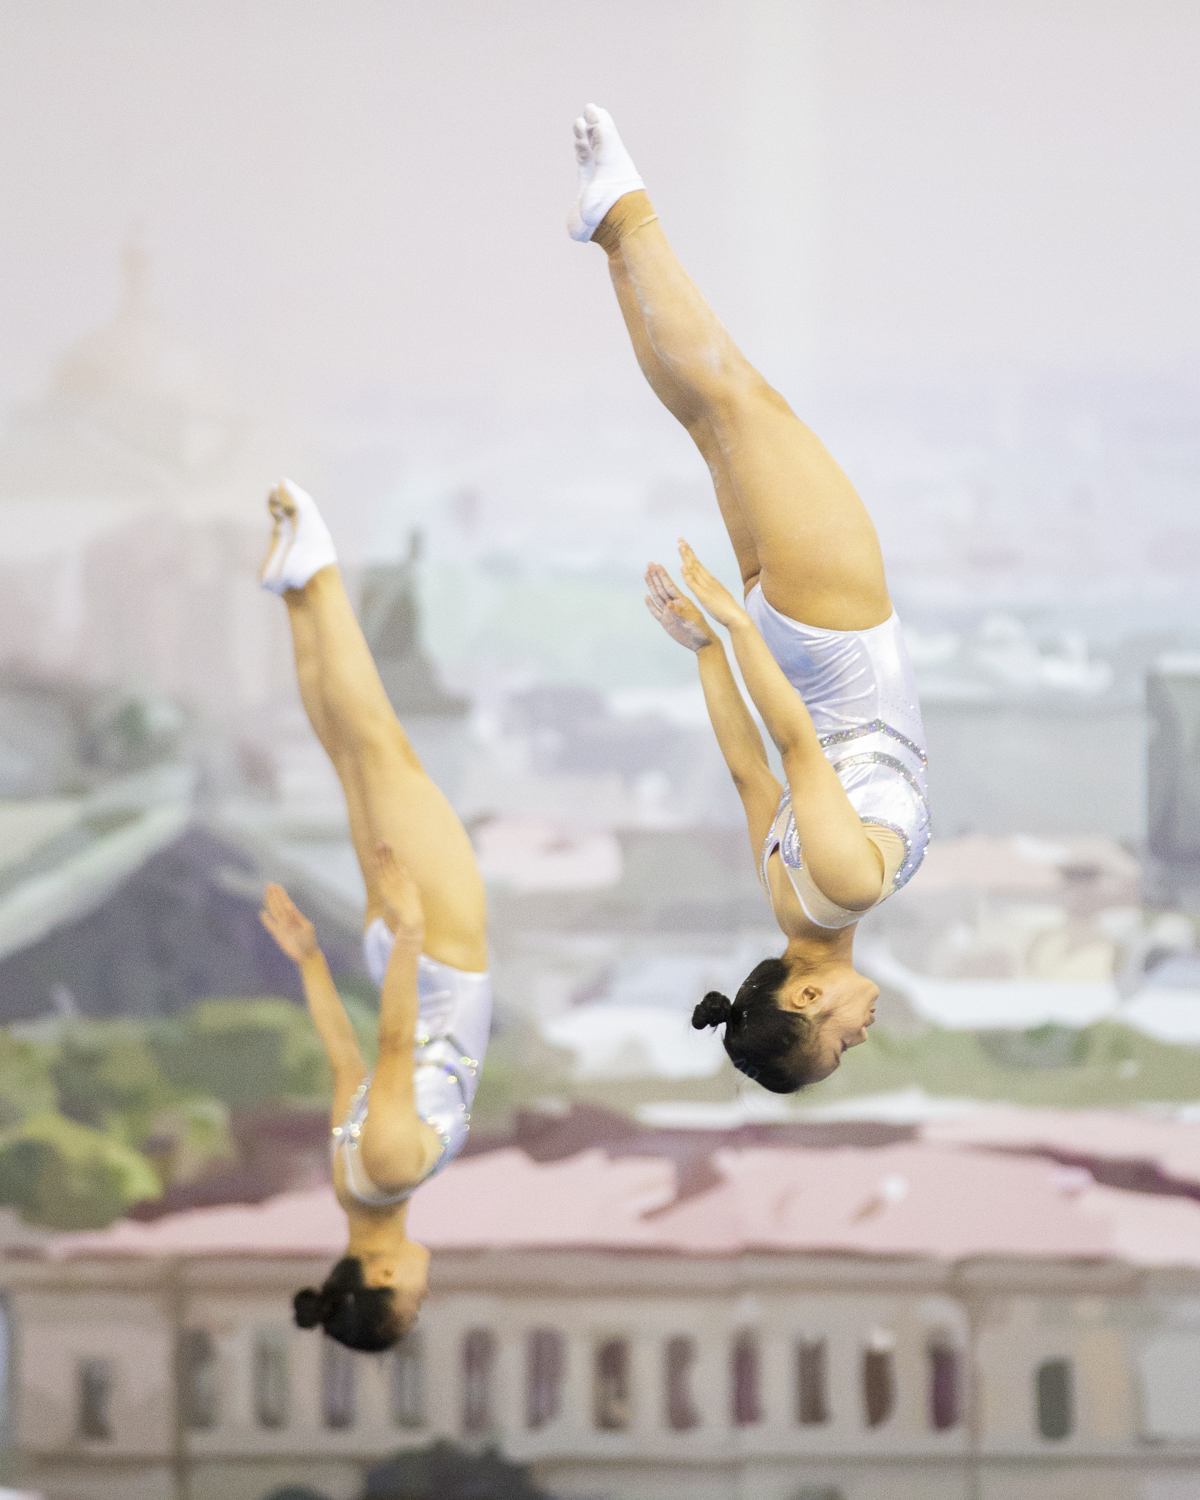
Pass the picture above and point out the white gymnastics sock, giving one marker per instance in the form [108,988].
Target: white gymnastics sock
[302,545]
[606,172]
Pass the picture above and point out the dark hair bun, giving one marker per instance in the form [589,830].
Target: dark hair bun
[712,1010]
[359,1316]
[309,1306]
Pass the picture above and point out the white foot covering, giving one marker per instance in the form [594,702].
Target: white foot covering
[606,172]
[302,544]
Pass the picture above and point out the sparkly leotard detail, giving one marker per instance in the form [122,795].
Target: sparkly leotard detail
[860,689]
[452,1035]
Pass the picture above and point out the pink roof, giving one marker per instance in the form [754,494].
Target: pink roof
[308,1223]
[1172,1146]
[966,1187]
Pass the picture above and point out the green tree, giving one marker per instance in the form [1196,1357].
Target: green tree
[444,1471]
[26,1085]
[244,1052]
[70,1176]
[107,1076]
[187,1138]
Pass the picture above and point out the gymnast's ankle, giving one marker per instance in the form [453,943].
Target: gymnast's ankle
[629,213]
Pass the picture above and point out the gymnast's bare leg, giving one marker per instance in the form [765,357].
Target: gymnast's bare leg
[796,524]
[389,797]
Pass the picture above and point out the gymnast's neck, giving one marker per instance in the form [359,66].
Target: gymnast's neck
[813,951]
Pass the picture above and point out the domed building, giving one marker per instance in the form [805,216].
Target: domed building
[132,521]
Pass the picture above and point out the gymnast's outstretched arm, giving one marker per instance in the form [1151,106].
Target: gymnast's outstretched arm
[294,933]
[737,734]
[846,865]
[398,1147]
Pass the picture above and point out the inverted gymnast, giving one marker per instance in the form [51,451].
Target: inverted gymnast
[424,943]
[818,644]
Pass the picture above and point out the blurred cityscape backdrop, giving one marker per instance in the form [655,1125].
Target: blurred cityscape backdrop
[246,241]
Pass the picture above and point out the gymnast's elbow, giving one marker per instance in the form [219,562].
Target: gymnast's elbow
[797,743]
[749,775]
[856,895]
[853,884]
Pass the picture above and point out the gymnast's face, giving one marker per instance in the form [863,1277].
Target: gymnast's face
[405,1268]
[408,1308]
[842,1003]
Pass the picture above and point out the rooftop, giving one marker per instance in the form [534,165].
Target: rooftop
[998,1182]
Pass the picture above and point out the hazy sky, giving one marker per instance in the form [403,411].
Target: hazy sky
[350,198]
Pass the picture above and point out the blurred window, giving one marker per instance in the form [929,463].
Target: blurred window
[95,1386]
[878,1384]
[272,1377]
[612,1388]
[408,1381]
[1055,1398]
[744,1373]
[478,1362]
[944,1384]
[198,1384]
[812,1382]
[338,1371]
[682,1414]
[545,1363]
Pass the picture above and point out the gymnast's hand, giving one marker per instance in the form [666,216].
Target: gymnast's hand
[714,596]
[677,615]
[402,909]
[288,925]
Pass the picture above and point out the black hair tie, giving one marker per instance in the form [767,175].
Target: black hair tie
[308,1307]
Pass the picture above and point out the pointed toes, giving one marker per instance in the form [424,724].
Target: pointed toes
[600,125]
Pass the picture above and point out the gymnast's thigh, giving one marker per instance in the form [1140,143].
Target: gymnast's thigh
[404,807]
[817,548]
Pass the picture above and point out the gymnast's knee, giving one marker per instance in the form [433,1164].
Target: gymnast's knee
[739,396]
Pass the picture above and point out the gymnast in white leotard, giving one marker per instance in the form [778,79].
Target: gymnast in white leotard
[817,640]
[424,944]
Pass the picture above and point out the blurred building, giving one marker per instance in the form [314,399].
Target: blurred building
[993,1305]
[1028,733]
[433,719]
[1173,812]
[131,521]
[390,617]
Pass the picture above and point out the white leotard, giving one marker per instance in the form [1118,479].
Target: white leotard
[860,689]
[452,1037]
